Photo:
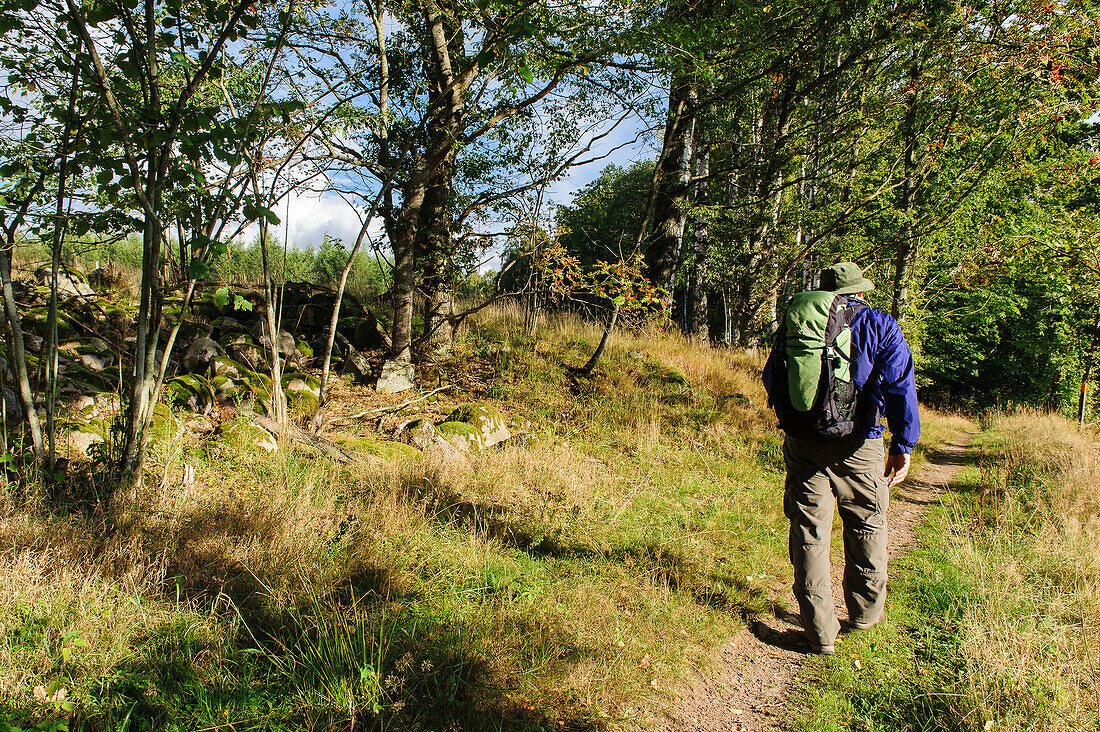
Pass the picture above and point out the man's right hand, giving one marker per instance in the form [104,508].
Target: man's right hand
[899,466]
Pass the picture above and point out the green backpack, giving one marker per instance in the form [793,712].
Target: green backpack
[812,357]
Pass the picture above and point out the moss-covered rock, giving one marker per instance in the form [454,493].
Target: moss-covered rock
[388,450]
[193,391]
[675,378]
[225,366]
[83,434]
[164,424]
[243,436]
[79,378]
[420,433]
[242,348]
[35,320]
[486,419]
[465,437]
[304,350]
[303,392]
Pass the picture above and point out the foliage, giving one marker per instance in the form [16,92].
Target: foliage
[602,222]
[621,285]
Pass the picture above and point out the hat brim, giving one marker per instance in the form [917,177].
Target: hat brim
[862,285]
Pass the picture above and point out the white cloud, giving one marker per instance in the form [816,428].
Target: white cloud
[310,216]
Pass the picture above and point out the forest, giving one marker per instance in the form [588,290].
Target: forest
[150,155]
[945,147]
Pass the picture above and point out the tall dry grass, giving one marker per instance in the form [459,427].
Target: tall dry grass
[1032,638]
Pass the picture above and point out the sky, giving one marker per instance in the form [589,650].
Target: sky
[311,216]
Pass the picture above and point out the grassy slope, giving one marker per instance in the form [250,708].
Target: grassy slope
[566,584]
[995,619]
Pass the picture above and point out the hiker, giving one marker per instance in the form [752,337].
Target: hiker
[838,365]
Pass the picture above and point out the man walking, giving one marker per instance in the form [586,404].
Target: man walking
[837,366]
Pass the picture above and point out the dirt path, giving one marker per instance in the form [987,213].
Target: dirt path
[760,666]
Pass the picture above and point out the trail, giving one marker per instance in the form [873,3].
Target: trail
[760,666]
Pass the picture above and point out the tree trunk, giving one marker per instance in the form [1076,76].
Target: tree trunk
[698,322]
[908,242]
[670,210]
[147,333]
[404,265]
[435,249]
[51,355]
[605,340]
[272,326]
[18,352]
[1082,400]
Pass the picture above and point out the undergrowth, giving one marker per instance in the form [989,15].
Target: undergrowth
[565,583]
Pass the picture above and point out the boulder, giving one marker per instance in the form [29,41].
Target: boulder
[85,380]
[369,335]
[35,320]
[242,348]
[311,317]
[81,441]
[303,354]
[675,378]
[442,450]
[13,408]
[487,420]
[357,363]
[225,366]
[99,279]
[225,389]
[119,317]
[193,391]
[419,433]
[303,391]
[388,450]
[199,355]
[96,361]
[286,340]
[83,405]
[465,437]
[193,329]
[244,435]
[83,434]
[397,376]
[228,325]
[422,434]
[68,285]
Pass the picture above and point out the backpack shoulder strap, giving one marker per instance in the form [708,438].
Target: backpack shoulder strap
[841,313]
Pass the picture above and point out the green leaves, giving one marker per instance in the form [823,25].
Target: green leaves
[222,296]
[197,270]
[252,212]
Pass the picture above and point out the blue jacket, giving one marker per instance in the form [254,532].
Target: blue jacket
[882,367]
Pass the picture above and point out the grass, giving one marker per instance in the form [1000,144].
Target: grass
[995,618]
[567,583]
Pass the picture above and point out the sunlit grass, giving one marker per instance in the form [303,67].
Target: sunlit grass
[567,581]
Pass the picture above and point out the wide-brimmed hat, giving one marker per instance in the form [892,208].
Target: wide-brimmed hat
[844,278]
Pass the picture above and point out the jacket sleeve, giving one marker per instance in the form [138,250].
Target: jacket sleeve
[899,389]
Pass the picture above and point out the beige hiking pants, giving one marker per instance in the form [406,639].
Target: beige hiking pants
[850,469]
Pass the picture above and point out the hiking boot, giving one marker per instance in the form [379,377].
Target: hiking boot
[867,625]
[820,650]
